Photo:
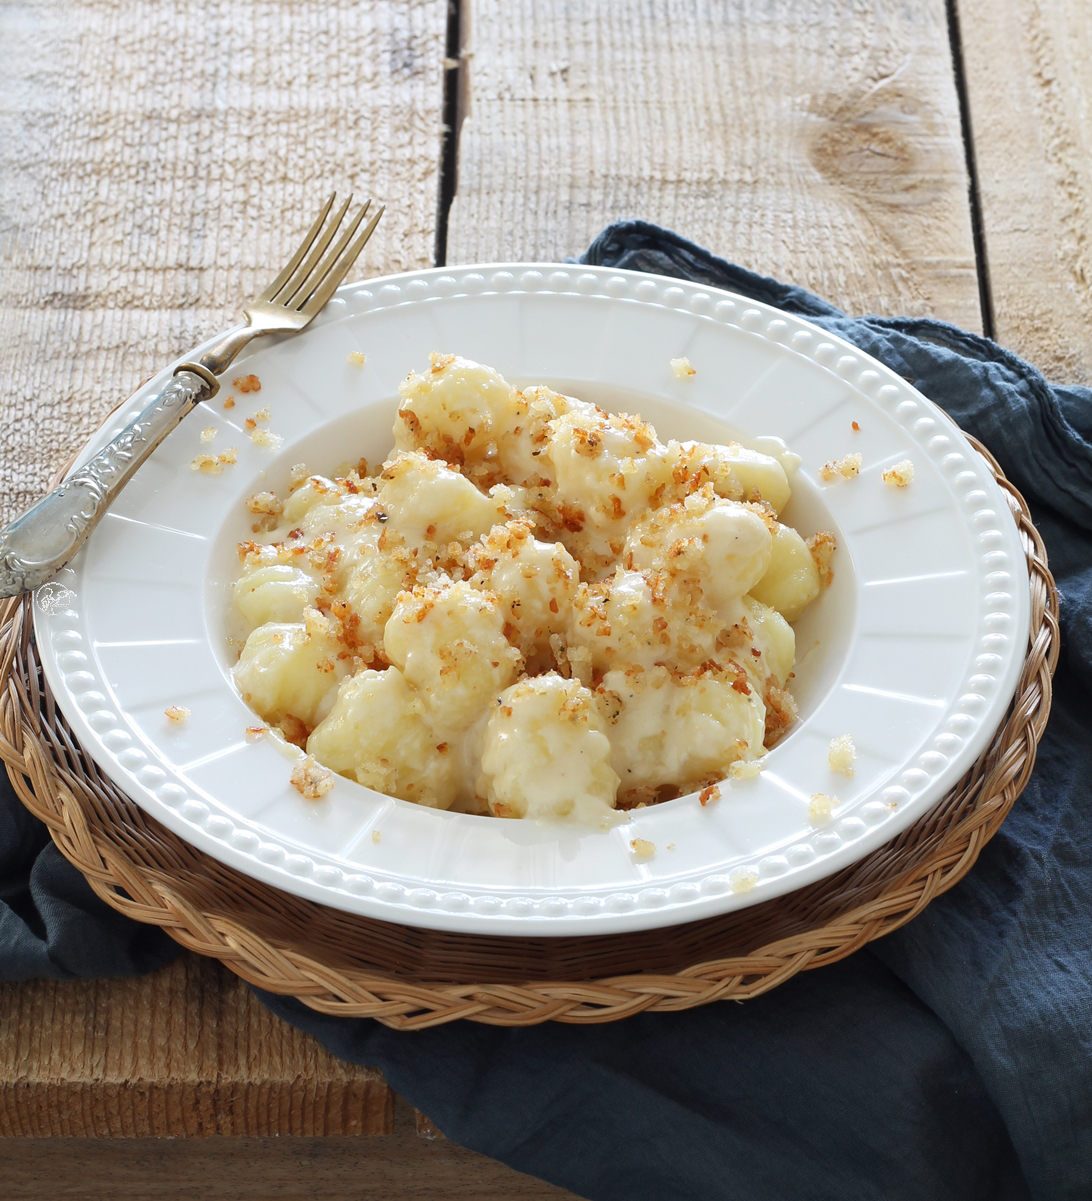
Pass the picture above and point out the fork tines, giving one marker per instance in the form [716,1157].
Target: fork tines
[307,283]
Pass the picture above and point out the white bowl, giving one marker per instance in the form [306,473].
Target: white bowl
[914,651]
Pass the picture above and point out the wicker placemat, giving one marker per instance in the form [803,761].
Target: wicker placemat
[409,978]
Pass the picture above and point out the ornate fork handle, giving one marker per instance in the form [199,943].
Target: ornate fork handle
[36,546]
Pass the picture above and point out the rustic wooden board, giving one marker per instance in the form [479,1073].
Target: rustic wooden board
[817,142]
[398,1165]
[187,1050]
[158,163]
[1028,67]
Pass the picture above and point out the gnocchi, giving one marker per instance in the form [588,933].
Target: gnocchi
[534,609]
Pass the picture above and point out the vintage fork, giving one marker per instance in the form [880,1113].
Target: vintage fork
[40,542]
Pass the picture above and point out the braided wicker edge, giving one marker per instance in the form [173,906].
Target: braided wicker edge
[148,874]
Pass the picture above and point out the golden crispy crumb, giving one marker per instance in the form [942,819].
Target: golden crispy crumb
[642,848]
[842,754]
[208,434]
[856,428]
[247,383]
[297,475]
[682,368]
[822,547]
[262,414]
[709,793]
[229,456]
[209,464]
[900,475]
[177,713]
[264,438]
[311,779]
[744,879]
[254,733]
[747,769]
[265,502]
[821,808]
[377,836]
[358,358]
[229,402]
[847,468]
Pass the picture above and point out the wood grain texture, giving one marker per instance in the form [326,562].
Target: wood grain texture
[158,163]
[399,1165]
[187,1050]
[816,142]
[1028,67]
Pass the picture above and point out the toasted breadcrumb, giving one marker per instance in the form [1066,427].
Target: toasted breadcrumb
[682,368]
[265,502]
[744,879]
[821,808]
[177,713]
[642,848]
[265,438]
[747,769]
[229,456]
[376,836]
[262,414]
[209,464]
[247,383]
[822,547]
[297,475]
[900,475]
[229,402]
[842,754]
[311,779]
[709,793]
[856,428]
[208,433]
[847,468]
[254,733]
[358,358]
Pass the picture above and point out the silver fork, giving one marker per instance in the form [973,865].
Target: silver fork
[40,542]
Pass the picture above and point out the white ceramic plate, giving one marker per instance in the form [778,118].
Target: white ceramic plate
[914,651]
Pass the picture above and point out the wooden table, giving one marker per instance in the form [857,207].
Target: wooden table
[156,161]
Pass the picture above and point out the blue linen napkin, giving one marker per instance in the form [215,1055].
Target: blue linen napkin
[952,1059]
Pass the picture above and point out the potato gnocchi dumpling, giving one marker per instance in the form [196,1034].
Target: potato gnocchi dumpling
[534,608]
[546,753]
[378,734]
[791,581]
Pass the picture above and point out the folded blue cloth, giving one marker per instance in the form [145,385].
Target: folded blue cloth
[952,1059]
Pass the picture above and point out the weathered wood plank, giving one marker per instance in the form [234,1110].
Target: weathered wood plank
[1028,67]
[399,1165]
[187,1050]
[817,142]
[156,1086]
[159,162]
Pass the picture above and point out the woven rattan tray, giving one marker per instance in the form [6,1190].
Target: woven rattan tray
[409,978]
